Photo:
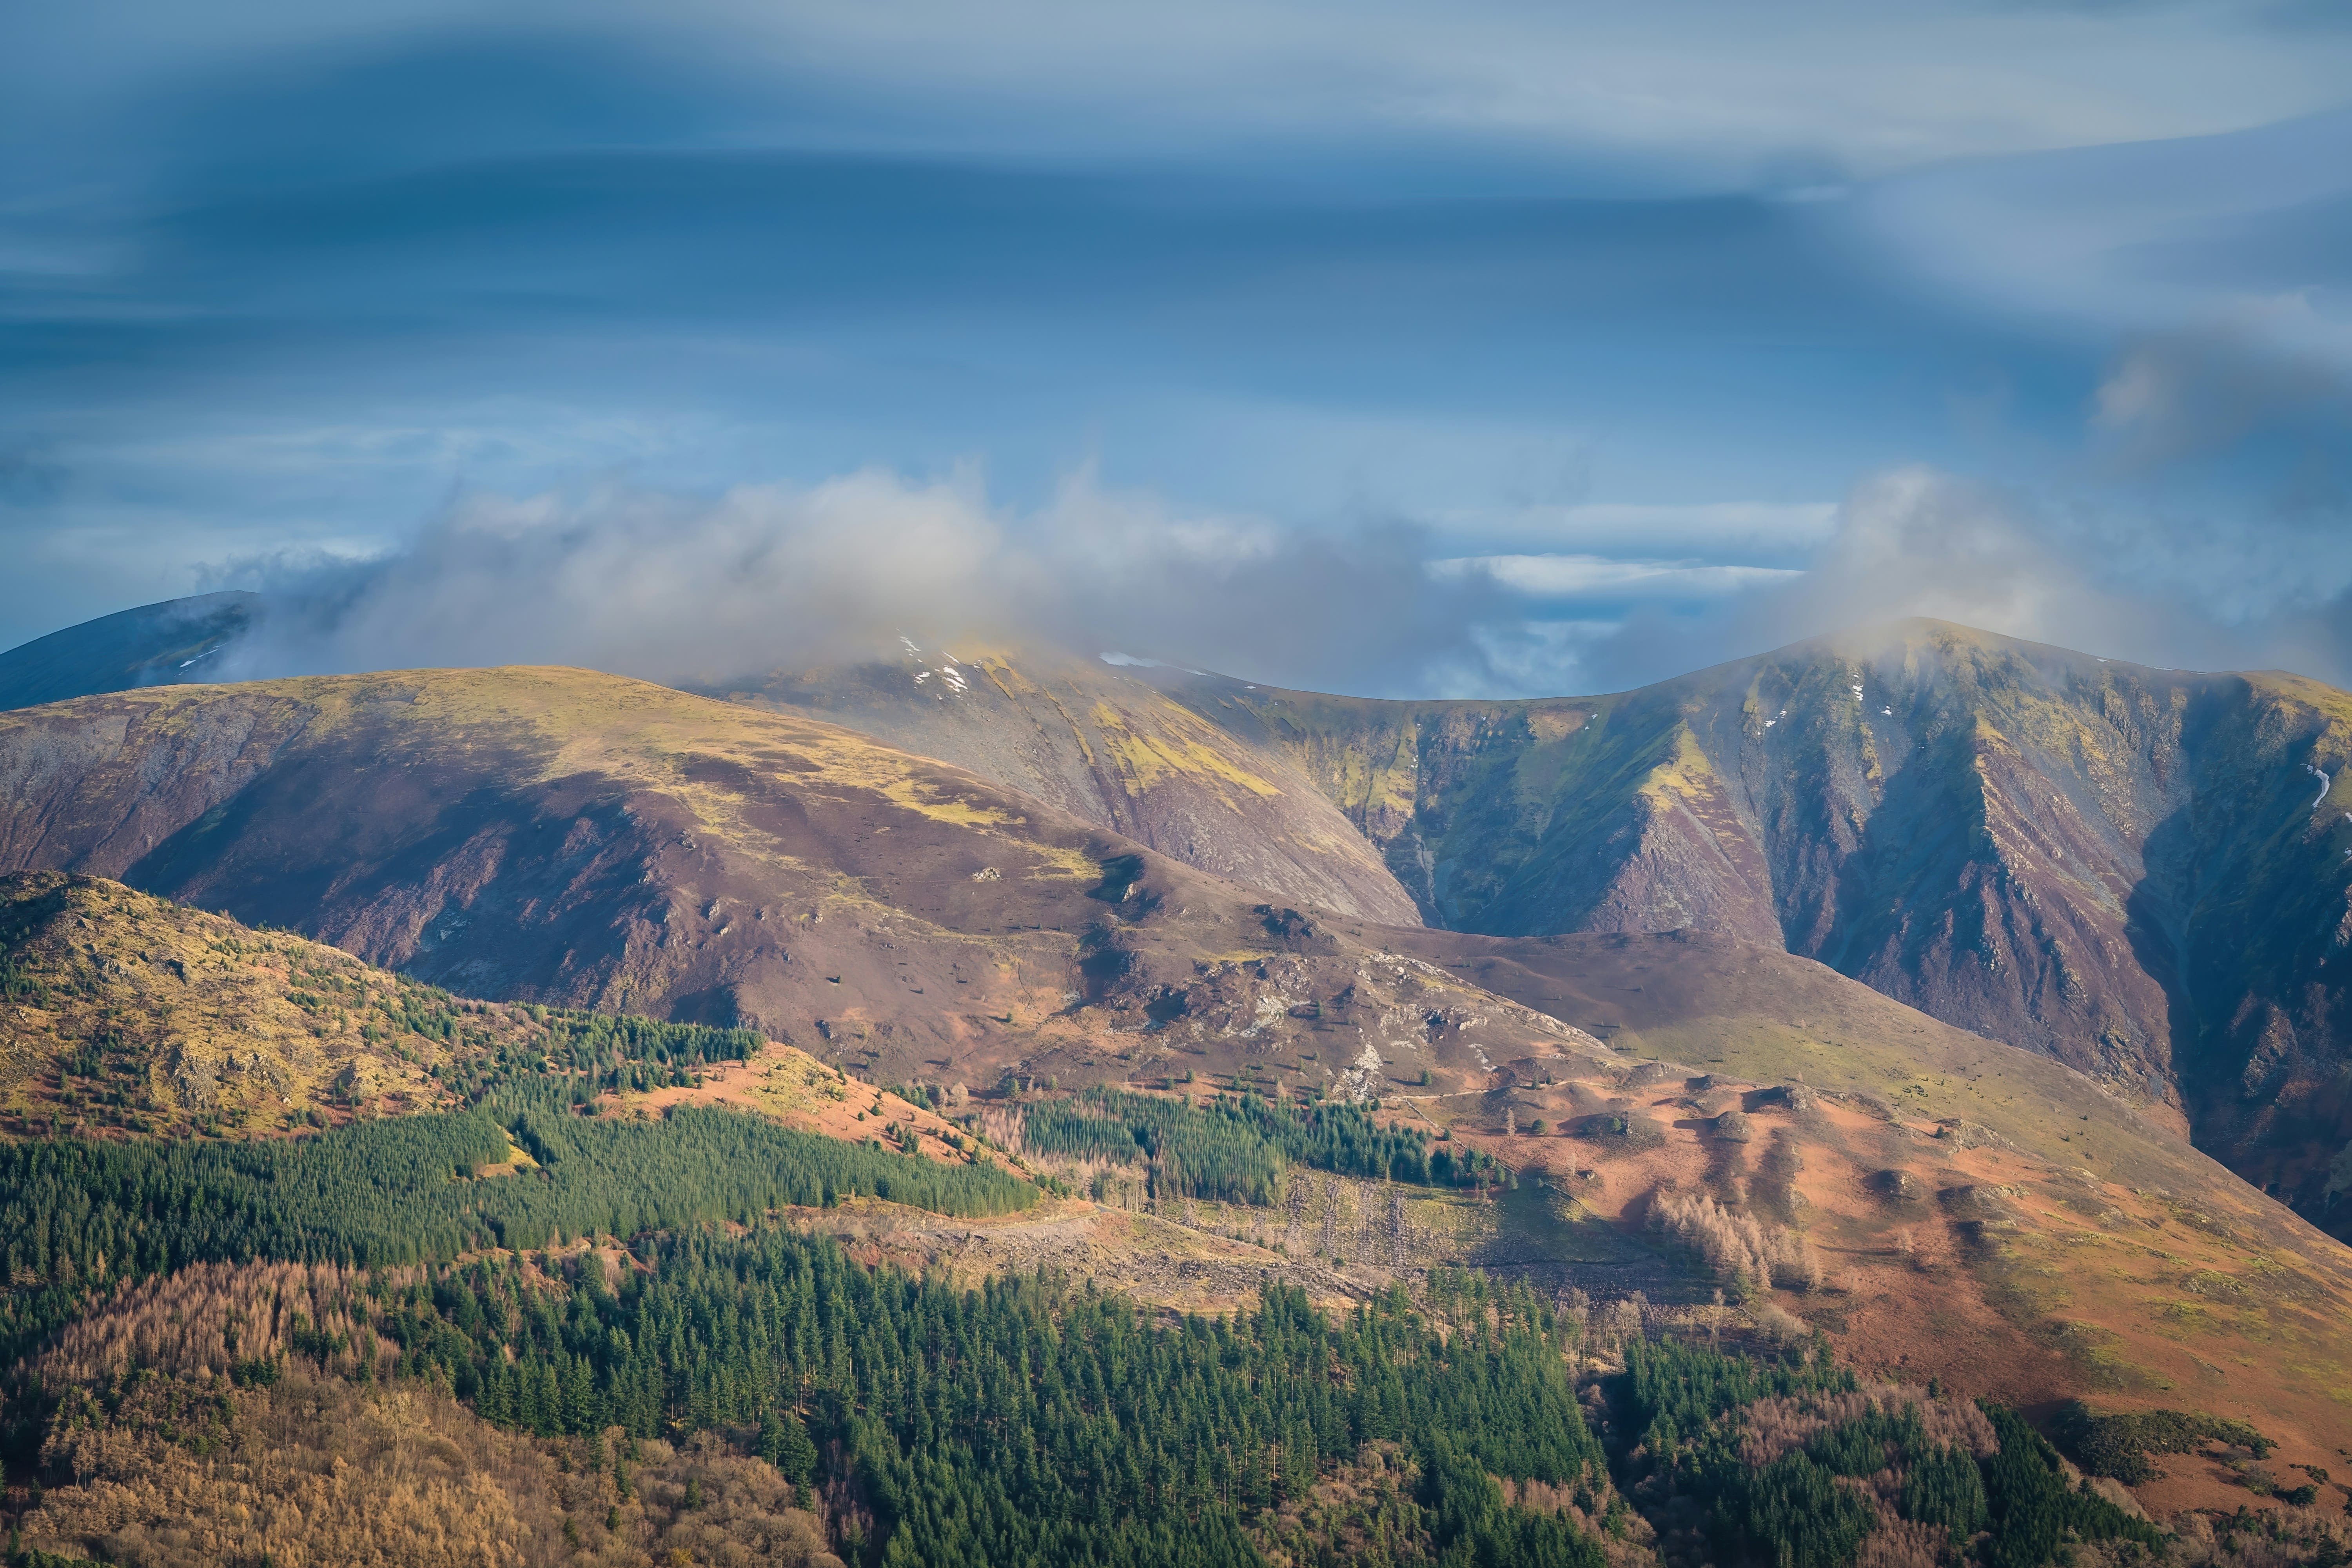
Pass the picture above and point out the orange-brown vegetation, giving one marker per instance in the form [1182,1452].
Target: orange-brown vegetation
[1945,1249]
[229,1415]
[1741,1249]
[321,1472]
[792,1087]
[1774,1426]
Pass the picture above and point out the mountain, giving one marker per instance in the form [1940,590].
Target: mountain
[2142,873]
[545,836]
[561,836]
[155,645]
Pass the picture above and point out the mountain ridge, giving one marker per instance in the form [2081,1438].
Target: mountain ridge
[2104,861]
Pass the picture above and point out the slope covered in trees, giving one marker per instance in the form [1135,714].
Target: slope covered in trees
[75,1214]
[1028,1422]
[1237,1148]
[1769,1453]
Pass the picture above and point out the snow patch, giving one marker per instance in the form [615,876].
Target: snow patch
[2324,781]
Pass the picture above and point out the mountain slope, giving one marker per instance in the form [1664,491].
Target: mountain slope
[1972,1211]
[155,645]
[558,835]
[1101,743]
[2142,873]
[541,834]
[126,1012]
[2136,871]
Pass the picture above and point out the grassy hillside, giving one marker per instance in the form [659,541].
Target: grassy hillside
[124,1013]
[1104,745]
[128,1013]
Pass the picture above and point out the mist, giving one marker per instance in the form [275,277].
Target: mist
[2185,593]
[702,591]
[687,591]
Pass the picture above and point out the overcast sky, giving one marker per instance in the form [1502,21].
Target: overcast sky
[1486,348]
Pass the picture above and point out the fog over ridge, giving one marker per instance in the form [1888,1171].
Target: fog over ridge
[699,590]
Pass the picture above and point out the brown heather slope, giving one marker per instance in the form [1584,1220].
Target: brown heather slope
[564,836]
[1978,1211]
[1104,745]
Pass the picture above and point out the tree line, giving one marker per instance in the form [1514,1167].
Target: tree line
[77,1214]
[1236,1148]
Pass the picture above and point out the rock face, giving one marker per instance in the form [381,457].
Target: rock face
[2141,872]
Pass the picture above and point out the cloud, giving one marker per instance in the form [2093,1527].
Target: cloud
[692,591]
[274,281]
[2239,234]
[1918,541]
[1713,528]
[1588,577]
[2272,367]
[1710,88]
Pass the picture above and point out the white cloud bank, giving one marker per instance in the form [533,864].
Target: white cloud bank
[683,589]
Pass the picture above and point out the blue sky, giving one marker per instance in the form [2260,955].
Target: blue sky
[1507,349]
